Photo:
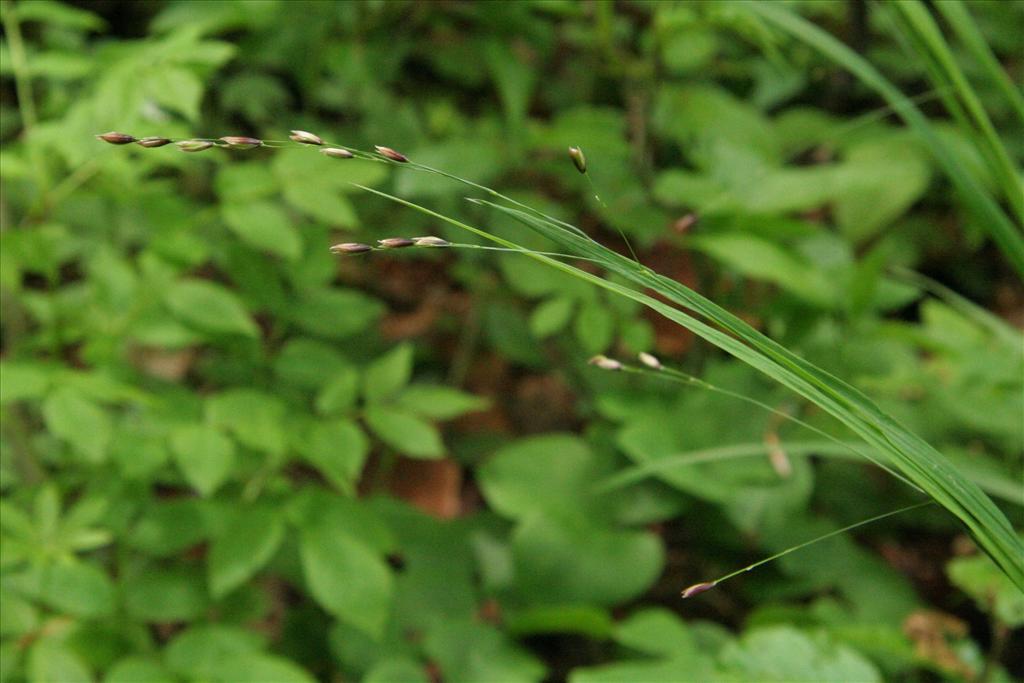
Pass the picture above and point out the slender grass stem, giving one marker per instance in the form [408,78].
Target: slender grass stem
[671,374]
[913,457]
[977,198]
[622,234]
[23,88]
[707,585]
[670,463]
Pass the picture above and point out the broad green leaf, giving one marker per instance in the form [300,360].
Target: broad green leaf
[572,561]
[533,280]
[261,667]
[657,631]
[658,671]
[782,653]
[309,363]
[204,455]
[386,375]
[991,590]
[162,595]
[138,670]
[877,183]
[405,432]
[244,182]
[396,670]
[437,402]
[174,88]
[469,651]
[80,422]
[50,661]
[78,589]
[59,14]
[209,307]
[22,381]
[167,527]
[586,620]
[549,474]
[759,258]
[323,203]
[689,49]
[254,418]
[197,653]
[347,578]
[337,449]
[515,79]
[242,549]
[339,393]
[702,116]
[305,166]
[19,616]
[335,313]
[262,224]
[594,327]
[318,507]
[477,160]
[551,316]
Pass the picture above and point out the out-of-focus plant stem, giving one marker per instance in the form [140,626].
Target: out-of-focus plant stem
[23,88]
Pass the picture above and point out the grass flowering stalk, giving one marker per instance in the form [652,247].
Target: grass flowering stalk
[916,461]
[698,588]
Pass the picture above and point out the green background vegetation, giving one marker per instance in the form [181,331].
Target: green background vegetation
[229,455]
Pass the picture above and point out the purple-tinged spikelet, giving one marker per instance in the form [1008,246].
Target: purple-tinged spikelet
[649,360]
[578,159]
[337,153]
[350,248]
[396,242]
[430,241]
[685,223]
[241,142]
[153,141]
[391,154]
[194,145]
[698,588]
[605,363]
[305,137]
[116,138]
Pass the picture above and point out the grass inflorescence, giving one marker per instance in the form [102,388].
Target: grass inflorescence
[895,448]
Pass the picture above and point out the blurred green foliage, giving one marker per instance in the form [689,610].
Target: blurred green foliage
[229,456]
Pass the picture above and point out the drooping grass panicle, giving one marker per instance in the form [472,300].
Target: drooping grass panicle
[914,459]
[430,242]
